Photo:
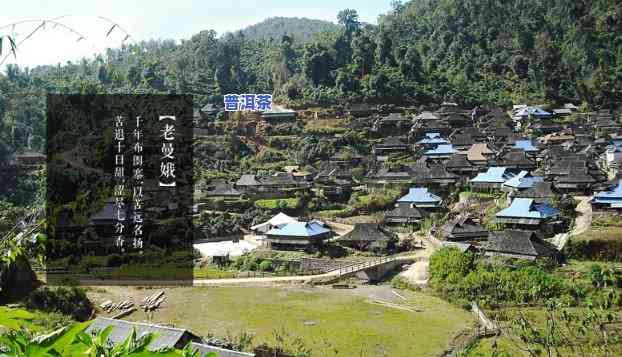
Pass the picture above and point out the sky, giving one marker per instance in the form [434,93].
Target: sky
[144,20]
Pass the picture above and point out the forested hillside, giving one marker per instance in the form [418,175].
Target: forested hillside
[299,28]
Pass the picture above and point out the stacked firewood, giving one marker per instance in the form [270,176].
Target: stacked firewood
[153,302]
[110,306]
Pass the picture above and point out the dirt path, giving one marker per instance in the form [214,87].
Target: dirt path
[581,224]
[418,272]
[584,216]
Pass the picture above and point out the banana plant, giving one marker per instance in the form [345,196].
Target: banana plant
[19,343]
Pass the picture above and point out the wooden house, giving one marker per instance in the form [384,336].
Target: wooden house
[518,244]
[524,213]
[405,215]
[368,237]
[610,199]
[388,146]
[492,179]
[463,228]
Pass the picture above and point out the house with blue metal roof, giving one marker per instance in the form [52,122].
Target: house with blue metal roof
[493,178]
[525,145]
[432,140]
[522,181]
[441,151]
[610,199]
[525,213]
[420,197]
[298,235]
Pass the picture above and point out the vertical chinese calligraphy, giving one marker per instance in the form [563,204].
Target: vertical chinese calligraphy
[137,186]
[119,179]
[167,160]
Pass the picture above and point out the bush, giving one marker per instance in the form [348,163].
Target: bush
[265,265]
[459,276]
[69,301]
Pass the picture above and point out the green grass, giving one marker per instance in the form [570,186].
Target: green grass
[14,319]
[212,273]
[273,204]
[347,322]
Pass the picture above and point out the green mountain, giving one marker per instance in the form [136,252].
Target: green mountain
[300,29]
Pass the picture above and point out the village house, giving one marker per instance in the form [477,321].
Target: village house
[222,190]
[432,140]
[611,158]
[29,159]
[540,192]
[334,184]
[524,213]
[463,228]
[369,237]
[443,151]
[523,180]
[577,180]
[278,114]
[276,221]
[361,110]
[609,200]
[298,235]
[393,123]
[492,179]
[405,215]
[459,165]
[556,138]
[525,145]
[479,154]
[276,185]
[345,158]
[518,244]
[388,146]
[526,112]
[515,160]
[420,197]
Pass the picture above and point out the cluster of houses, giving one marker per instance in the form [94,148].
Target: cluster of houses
[536,157]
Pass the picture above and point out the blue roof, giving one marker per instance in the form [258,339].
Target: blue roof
[523,180]
[443,149]
[421,195]
[526,208]
[525,145]
[299,229]
[493,175]
[433,138]
[535,111]
[611,196]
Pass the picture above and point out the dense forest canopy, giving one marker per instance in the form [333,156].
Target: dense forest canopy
[300,29]
[421,52]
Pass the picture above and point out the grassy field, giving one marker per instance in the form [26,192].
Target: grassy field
[330,322]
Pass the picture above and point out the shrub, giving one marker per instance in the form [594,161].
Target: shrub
[265,265]
[69,301]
